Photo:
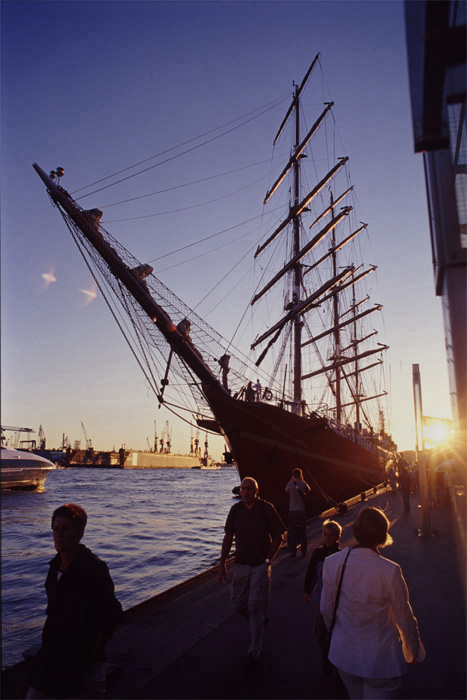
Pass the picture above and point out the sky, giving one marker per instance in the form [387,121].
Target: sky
[95,87]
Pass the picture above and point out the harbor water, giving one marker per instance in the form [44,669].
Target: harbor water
[153,527]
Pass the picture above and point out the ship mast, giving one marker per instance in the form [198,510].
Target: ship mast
[300,302]
[356,370]
[297,270]
[335,307]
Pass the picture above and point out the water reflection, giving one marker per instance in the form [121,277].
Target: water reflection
[154,529]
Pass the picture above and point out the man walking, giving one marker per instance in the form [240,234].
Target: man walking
[258,530]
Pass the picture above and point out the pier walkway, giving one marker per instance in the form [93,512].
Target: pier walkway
[188,644]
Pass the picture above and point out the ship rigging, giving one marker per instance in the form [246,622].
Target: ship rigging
[323,424]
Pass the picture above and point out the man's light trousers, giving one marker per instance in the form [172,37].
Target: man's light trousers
[249,596]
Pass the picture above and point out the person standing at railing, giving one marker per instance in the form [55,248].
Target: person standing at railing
[297,489]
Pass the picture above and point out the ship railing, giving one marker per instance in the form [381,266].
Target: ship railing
[340,428]
[349,432]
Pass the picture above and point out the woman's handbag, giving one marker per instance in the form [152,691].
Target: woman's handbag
[327,664]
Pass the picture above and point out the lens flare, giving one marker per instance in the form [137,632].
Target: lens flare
[91,294]
[49,277]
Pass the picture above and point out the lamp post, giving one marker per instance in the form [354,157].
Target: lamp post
[425,530]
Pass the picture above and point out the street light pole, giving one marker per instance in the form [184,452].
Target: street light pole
[425,530]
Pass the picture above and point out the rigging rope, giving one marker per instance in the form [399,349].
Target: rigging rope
[178,155]
[186,184]
[192,425]
[140,336]
[104,296]
[138,333]
[323,493]
[282,350]
[192,206]
[219,282]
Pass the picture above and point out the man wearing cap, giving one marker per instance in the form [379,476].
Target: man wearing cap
[258,530]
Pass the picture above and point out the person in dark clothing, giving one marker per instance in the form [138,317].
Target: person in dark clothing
[250,395]
[258,530]
[404,485]
[297,489]
[313,578]
[82,612]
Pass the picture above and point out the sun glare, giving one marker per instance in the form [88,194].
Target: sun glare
[436,432]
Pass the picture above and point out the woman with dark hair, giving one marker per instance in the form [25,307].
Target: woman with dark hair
[375,634]
[82,612]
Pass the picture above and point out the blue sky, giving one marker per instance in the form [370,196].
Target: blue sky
[97,86]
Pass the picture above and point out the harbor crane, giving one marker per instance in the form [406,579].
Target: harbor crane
[162,440]
[168,444]
[197,450]
[165,439]
[65,441]
[88,441]
[41,437]
[15,430]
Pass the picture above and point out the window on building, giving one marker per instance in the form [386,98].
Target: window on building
[458,141]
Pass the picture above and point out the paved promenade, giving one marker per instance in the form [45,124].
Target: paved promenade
[189,645]
[186,643]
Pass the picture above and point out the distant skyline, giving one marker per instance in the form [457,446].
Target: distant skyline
[95,87]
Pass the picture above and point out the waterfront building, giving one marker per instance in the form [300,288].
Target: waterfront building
[436,44]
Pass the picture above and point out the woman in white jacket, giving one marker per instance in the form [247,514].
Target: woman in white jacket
[375,633]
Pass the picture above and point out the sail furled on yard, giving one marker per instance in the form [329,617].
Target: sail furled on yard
[323,283]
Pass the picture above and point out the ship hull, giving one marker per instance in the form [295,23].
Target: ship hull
[23,471]
[159,460]
[133,459]
[93,458]
[268,442]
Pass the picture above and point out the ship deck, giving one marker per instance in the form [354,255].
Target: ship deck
[186,643]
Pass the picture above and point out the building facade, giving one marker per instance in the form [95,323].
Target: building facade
[436,44]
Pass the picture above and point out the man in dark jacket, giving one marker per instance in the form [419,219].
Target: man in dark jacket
[258,530]
[82,611]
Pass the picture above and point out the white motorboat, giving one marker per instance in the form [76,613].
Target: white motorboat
[23,470]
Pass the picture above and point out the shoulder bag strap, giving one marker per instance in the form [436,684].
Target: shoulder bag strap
[338,595]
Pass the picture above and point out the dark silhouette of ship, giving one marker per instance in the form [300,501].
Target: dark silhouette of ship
[269,430]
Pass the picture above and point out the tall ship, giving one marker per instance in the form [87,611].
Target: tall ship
[308,393]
